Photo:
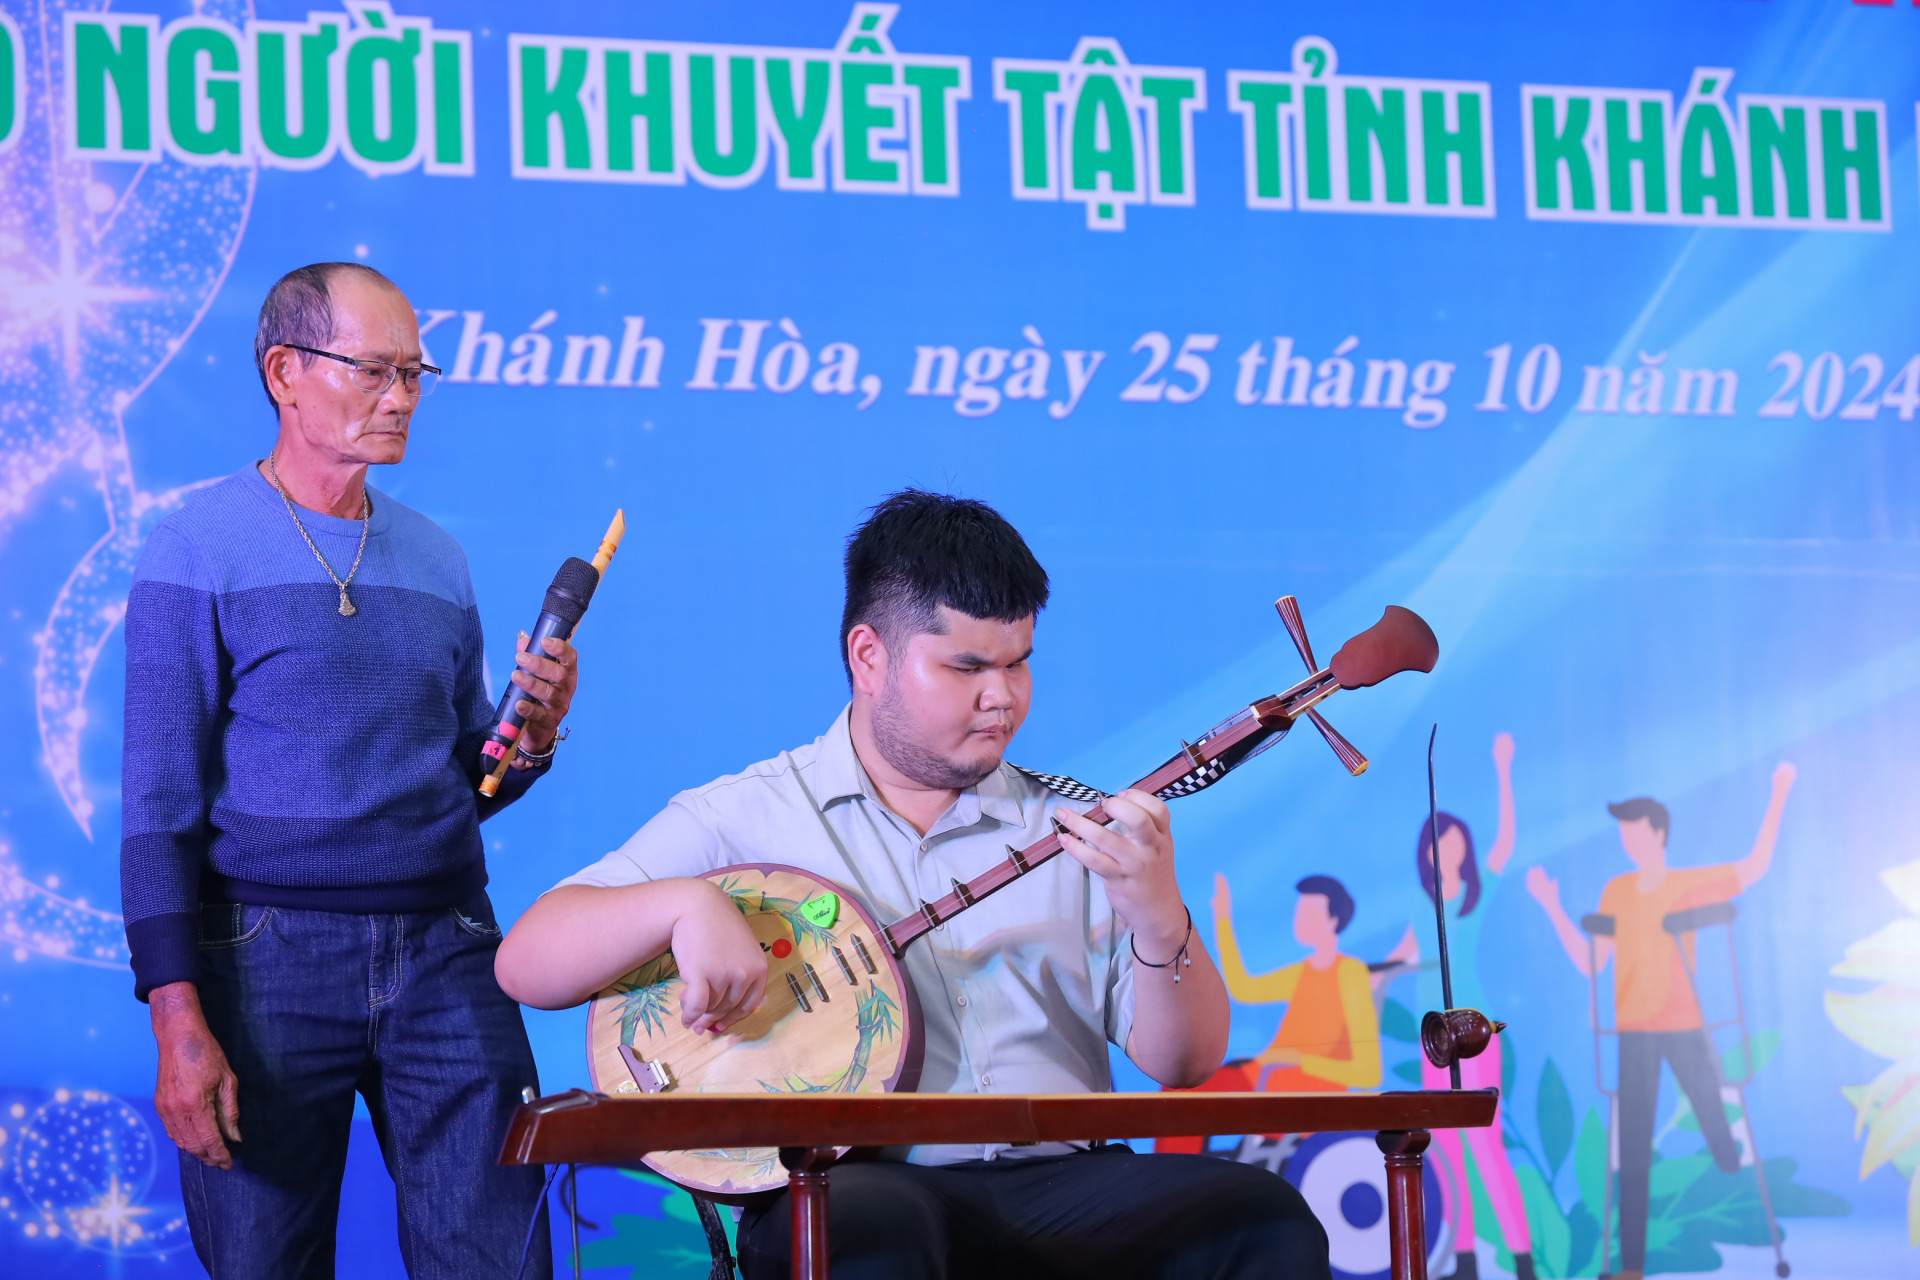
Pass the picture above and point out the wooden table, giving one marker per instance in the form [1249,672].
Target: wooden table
[579,1127]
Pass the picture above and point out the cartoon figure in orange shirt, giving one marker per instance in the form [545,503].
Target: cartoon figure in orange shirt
[1330,1036]
[1655,1007]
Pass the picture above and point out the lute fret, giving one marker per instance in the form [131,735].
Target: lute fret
[1263,719]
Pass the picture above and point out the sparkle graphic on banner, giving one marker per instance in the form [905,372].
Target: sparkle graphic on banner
[114,1218]
[81,1166]
[36,920]
[105,269]
[69,294]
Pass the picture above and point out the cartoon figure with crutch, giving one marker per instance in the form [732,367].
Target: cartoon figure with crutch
[1645,925]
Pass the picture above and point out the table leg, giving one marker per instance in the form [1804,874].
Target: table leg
[1406,1202]
[807,1185]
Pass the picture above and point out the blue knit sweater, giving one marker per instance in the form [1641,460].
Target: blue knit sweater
[280,754]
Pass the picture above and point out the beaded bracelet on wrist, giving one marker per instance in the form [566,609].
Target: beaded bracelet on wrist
[1180,957]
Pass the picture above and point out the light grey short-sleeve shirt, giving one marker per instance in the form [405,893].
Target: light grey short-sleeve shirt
[1018,994]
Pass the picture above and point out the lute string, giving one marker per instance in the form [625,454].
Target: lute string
[716,1047]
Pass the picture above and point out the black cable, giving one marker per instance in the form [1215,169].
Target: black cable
[526,1246]
[570,1197]
[570,1200]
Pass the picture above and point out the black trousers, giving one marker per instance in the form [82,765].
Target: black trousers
[1690,1054]
[1106,1213]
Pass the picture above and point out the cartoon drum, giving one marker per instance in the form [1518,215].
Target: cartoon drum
[1344,1181]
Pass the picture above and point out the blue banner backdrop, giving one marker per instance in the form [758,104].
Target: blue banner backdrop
[1585,330]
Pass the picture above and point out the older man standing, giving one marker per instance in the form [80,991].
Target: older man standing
[301,866]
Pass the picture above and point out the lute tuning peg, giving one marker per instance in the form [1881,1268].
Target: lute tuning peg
[1289,610]
[1349,754]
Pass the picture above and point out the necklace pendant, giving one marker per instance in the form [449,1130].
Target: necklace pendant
[346,606]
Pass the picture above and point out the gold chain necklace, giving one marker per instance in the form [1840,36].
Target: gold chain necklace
[366,521]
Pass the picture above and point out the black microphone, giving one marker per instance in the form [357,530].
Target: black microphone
[560,613]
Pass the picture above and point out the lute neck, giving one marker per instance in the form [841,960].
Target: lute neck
[1244,731]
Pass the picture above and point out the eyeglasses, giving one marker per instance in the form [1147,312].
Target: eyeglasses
[377,375]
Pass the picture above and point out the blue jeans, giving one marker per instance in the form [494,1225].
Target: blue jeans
[312,1006]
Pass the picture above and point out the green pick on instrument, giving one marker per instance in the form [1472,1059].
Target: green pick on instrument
[822,911]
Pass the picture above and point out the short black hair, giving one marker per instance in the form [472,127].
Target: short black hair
[298,312]
[1641,807]
[1339,901]
[918,550]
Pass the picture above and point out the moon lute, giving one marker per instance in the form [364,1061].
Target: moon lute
[840,1014]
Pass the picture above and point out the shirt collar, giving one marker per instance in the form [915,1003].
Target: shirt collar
[263,489]
[997,798]
[840,776]
[837,772]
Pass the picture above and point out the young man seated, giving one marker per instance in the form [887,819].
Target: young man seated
[906,792]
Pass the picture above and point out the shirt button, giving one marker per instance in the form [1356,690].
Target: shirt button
[961,1001]
[986,1079]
